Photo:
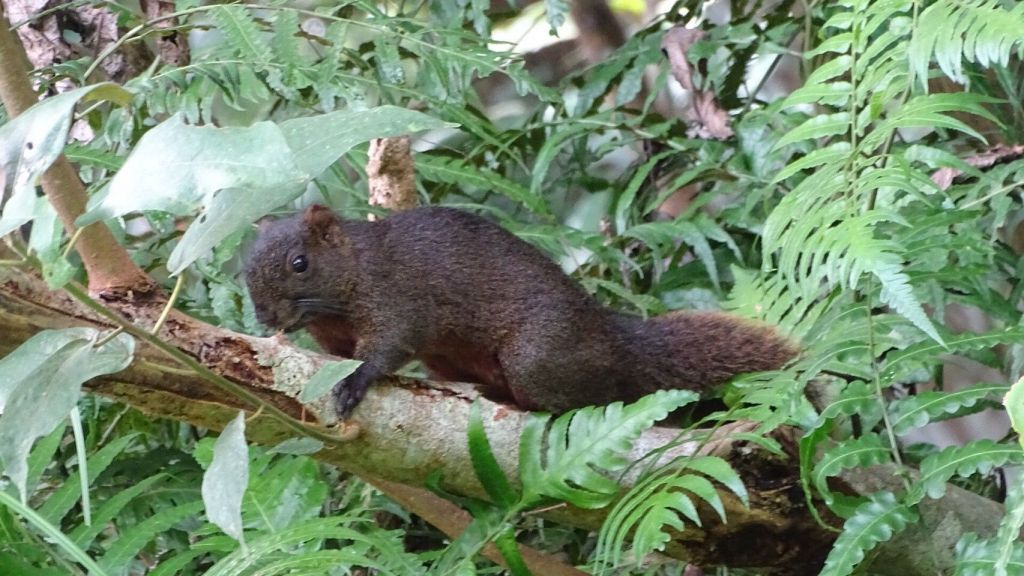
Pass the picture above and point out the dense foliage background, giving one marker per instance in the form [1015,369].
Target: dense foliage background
[846,170]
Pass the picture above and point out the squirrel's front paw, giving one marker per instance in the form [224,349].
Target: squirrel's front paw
[348,394]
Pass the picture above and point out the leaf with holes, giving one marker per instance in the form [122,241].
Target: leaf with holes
[30,143]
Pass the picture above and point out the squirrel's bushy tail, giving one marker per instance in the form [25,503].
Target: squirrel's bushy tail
[697,350]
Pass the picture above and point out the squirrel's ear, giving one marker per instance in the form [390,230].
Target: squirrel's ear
[322,224]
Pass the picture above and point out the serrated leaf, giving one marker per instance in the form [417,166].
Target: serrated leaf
[952,344]
[43,381]
[555,11]
[549,151]
[571,461]
[241,32]
[832,154]
[226,479]
[368,547]
[30,143]
[1010,558]
[978,557]
[719,470]
[874,521]
[817,127]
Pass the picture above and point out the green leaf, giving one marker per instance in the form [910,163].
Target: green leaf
[506,543]
[490,474]
[555,11]
[53,533]
[368,547]
[131,542]
[190,163]
[979,556]
[42,383]
[30,143]
[832,154]
[225,480]
[817,127]
[920,409]
[873,522]
[549,151]
[84,534]
[453,171]
[1007,540]
[957,343]
[979,456]
[573,460]
[317,142]
[868,450]
[241,32]
[1014,402]
[326,378]
[662,500]
[297,446]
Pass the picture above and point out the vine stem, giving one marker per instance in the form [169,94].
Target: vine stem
[170,305]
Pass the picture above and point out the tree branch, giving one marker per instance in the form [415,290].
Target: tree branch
[401,441]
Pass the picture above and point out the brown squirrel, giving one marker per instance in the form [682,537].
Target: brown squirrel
[474,303]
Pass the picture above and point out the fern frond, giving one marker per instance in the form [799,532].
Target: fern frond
[911,357]
[874,521]
[460,173]
[979,556]
[979,456]
[59,503]
[365,545]
[241,32]
[920,409]
[980,31]
[129,544]
[868,450]
[664,500]
[573,459]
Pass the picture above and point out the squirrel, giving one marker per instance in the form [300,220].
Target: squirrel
[474,303]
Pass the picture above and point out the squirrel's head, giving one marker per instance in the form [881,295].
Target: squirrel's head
[295,269]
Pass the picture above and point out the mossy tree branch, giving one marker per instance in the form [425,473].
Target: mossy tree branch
[402,442]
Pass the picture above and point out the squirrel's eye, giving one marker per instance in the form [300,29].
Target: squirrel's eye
[299,264]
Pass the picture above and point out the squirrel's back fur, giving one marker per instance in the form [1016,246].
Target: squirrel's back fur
[475,303]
